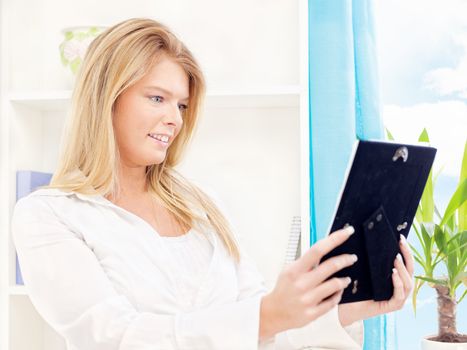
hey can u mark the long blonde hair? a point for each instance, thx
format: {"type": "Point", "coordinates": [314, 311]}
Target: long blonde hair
{"type": "Point", "coordinates": [89, 161]}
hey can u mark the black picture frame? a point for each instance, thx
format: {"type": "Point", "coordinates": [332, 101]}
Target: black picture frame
{"type": "Point", "coordinates": [383, 186]}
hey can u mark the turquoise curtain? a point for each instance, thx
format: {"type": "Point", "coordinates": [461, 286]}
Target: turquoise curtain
{"type": "Point", "coordinates": [344, 106]}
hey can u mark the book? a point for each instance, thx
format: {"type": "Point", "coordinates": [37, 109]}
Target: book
{"type": "Point", "coordinates": [26, 182]}
{"type": "Point", "coordinates": [293, 246]}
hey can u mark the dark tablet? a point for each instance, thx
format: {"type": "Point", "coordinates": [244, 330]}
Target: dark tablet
{"type": "Point", "coordinates": [383, 187]}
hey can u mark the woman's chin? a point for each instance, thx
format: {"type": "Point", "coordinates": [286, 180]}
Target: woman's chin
{"type": "Point", "coordinates": [156, 161]}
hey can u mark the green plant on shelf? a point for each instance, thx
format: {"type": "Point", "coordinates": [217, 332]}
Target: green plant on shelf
{"type": "Point", "coordinates": [443, 242]}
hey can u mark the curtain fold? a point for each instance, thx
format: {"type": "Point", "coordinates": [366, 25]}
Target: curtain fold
{"type": "Point", "coordinates": [344, 106]}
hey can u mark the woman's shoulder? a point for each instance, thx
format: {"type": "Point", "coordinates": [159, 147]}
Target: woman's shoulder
{"type": "Point", "coordinates": [50, 191]}
{"type": "Point", "coordinates": [44, 203]}
{"type": "Point", "coordinates": [36, 202]}
{"type": "Point", "coordinates": [39, 197]}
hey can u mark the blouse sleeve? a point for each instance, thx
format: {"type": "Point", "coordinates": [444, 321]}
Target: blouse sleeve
{"type": "Point", "coordinates": [70, 290]}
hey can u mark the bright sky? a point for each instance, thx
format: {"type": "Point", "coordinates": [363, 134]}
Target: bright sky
{"type": "Point", "coordinates": [423, 65]}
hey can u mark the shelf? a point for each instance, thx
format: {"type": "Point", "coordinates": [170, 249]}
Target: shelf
{"type": "Point", "coordinates": [42, 100]}
{"type": "Point", "coordinates": [280, 96]}
{"type": "Point", "coordinates": [18, 290]}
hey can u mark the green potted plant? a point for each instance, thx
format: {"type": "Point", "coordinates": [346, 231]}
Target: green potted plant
{"type": "Point", "coordinates": [442, 255]}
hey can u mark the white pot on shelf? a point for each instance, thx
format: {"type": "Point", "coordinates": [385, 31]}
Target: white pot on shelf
{"type": "Point", "coordinates": [436, 345]}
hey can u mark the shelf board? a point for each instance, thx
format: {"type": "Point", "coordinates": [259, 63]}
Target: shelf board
{"type": "Point", "coordinates": [18, 290]}
{"type": "Point", "coordinates": [42, 100]}
{"type": "Point", "coordinates": [261, 97]}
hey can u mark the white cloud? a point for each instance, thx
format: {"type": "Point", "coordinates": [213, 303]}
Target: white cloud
{"type": "Point", "coordinates": [424, 302]}
{"type": "Point", "coordinates": [451, 81]}
{"type": "Point", "coordinates": [423, 46]}
{"type": "Point", "coordinates": [419, 36]}
{"type": "Point", "coordinates": [446, 123]}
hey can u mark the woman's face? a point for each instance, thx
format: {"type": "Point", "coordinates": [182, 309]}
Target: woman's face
{"type": "Point", "coordinates": [149, 115]}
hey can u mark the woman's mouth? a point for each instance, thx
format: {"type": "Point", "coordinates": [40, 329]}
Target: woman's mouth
{"type": "Point", "coordinates": [160, 140]}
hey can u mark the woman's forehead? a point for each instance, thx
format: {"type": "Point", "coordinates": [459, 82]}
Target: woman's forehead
{"type": "Point", "coordinates": [167, 76]}
{"type": "Point", "coordinates": [167, 91]}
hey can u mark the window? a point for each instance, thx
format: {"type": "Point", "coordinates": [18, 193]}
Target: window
{"type": "Point", "coordinates": [422, 47]}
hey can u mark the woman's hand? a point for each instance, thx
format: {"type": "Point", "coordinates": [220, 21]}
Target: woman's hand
{"type": "Point", "coordinates": [302, 292]}
{"type": "Point", "coordinates": [402, 279]}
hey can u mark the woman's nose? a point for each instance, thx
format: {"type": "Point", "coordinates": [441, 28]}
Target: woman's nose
{"type": "Point", "coordinates": [174, 115]}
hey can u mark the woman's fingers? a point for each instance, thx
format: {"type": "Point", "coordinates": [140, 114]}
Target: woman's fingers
{"type": "Point", "coordinates": [326, 289]}
{"type": "Point", "coordinates": [325, 306]}
{"type": "Point", "coordinates": [408, 258]}
{"type": "Point", "coordinates": [403, 274]}
{"type": "Point", "coordinates": [330, 267]}
{"type": "Point", "coordinates": [405, 271]}
{"type": "Point", "coordinates": [398, 297]}
{"type": "Point", "coordinates": [312, 256]}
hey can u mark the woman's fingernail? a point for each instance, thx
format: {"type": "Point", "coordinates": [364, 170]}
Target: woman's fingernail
{"type": "Point", "coordinates": [349, 230]}
{"type": "Point", "coordinates": [403, 240]}
{"type": "Point", "coordinates": [394, 271]}
{"type": "Point", "coordinates": [354, 257]}
{"type": "Point", "coordinates": [399, 257]}
{"type": "Point", "coordinates": [348, 280]}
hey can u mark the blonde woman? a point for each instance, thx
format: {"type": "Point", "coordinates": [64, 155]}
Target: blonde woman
{"type": "Point", "coordinates": [122, 252]}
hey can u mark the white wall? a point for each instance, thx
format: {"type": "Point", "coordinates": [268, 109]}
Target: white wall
{"type": "Point", "coordinates": [249, 153]}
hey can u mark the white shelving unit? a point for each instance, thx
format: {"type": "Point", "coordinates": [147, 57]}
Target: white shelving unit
{"type": "Point", "coordinates": [254, 55]}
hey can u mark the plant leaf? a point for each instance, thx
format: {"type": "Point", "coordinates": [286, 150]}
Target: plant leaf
{"type": "Point", "coordinates": [415, 252]}
{"type": "Point", "coordinates": [460, 236]}
{"type": "Point", "coordinates": [420, 262]}
{"type": "Point", "coordinates": [438, 214]}
{"type": "Point", "coordinates": [389, 135]}
{"type": "Point", "coordinates": [437, 174]}
{"type": "Point", "coordinates": [440, 238]}
{"type": "Point", "coordinates": [427, 245]}
{"type": "Point", "coordinates": [418, 214]}
{"type": "Point", "coordinates": [427, 201]}
{"type": "Point", "coordinates": [417, 232]}
{"type": "Point", "coordinates": [452, 259]}
{"type": "Point", "coordinates": [462, 297]}
{"type": "Point", "coordinates": [457, 249]}
{"type": "Point", "coordinates": [464, 278]}
{"type": "Point", "coordinates": [424, 136]}
{"type": "Point", "coordinates": [451, 224]}
{"type": "Point", "coordinates": [418, 284]}
{"type": "Point", "coordinates": [462, 213]}
{"type": "Point", "coordinates": [432, 280]}
{"type": "Point", "coordinates": [457, 199]}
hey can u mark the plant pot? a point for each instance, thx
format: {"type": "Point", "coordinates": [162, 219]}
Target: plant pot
{"type": "Point", "coordinates": [436, 345]}
{"type": "Point", "coordinates": [74, 46]}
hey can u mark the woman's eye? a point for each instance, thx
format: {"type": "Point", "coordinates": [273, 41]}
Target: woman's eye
{"type": "Point", "coordinates": [156, 98]}
{"type": "Point", "coordinates": [183, 107]}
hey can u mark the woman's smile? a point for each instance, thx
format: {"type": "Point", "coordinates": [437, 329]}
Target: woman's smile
{"type": "Point", "coordinates": [162, 142]}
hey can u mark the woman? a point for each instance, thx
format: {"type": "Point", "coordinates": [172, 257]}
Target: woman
{"type": "Point", "coordinates": [122, 252]}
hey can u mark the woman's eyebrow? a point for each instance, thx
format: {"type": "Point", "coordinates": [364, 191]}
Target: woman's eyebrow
{"type": "Point", "coordinates": [153, 87]}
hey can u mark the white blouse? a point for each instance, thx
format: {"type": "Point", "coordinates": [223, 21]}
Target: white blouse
{"type": "Point", "coordinates": [105, 280]}
{"type": "Point", "coordinates": [191, 254]}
